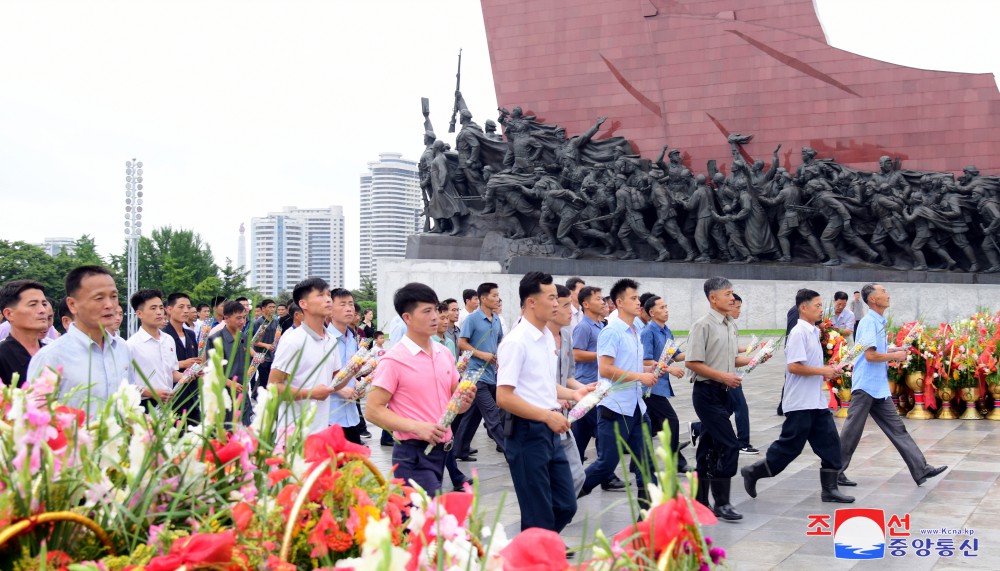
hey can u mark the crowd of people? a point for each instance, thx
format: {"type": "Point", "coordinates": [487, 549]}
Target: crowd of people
{"type": "Point", "coordinates": [567, 339]}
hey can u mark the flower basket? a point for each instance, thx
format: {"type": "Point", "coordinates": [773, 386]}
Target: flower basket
{"type": "Point", "coordinates": [286, 543]}
{"type": "Point", "coordinates": [21, 526]}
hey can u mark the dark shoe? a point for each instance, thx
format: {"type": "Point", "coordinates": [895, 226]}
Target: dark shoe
{"type": "Point", "coordinates": [752, 473]}
{"type": "Point", "coordinates": [828, 481]}
{"type": "Point", "coordinates": [683, 445]}
{"type": "Point", "coordinates": [366, 434]}
{"type": "Point", "coordinates": [384, 443]}
{"type": "Point", "coordinates": [473, 451]}
{"type": "Point", "coordinates": [460, 487]}
{"type": "Point", "coordinates": [843, 481]}
{"type": "Point", "coordinates": [584, 492]}
{"type": "Point", "coordinates": [749, 450]}
{"type": "Point", "coordinates": [614, 484]}
{"type": "Point", "coordinates": [469, 458]}
{"type": "Point", "coordinates": [726, 512]}
{"type": "Point", "coordinates": [500, 450]}
{"type": "Point", "coordinates": [933, 472]}
{"type": "Point", "coordinates": [692, 435]}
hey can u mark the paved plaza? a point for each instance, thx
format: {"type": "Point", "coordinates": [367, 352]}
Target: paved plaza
{"type": "Point", "coordinates": [772, 534]}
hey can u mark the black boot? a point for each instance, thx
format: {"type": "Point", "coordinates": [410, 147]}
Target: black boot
{"type": "Point", "coordinates": [702, 495]}
{"type": "Point", "coordinates": [828, 480]}
{"type": "Point", "coordinates": [723, 509]}
{"type": "Point", "coordinates": [752, 473]}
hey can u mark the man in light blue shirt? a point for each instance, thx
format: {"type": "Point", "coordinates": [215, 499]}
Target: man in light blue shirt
{"type": "Point", "coordinates": [481, 334]}
{"type": "Point", "coordinates": [870, 393]}
{"type": "Point", "coordinates": [343, 405]}
{"type": "Point", "coordinates": [655, 336]}
{"type": "Point", "coordinates": [619, 354]}
{"type": "Point", "coordinates": [93, 361]}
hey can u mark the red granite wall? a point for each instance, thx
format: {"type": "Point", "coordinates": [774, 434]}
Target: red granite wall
{"type": "Point", "coordinates": [689, 72]}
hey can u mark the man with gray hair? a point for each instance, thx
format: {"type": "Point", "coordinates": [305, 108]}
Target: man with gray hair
{"type": "Point", "coordinates": [870, 392]}
{"type": "Point", "coordinates": [712, 357]}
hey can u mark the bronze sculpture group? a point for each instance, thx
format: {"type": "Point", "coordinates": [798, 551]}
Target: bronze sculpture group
{"type": "Point", "coordinates": [596, 197]}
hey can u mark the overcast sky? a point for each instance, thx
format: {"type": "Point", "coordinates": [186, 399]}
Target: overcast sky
{"type": "Point", "coordinates": [240, 108]}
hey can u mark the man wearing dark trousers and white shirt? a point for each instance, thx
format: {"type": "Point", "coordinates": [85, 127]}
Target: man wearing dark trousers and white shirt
{"type": "Point", "coordinates": [619, 355]}
{"type": "Point", "coordinates": [527, 388]}
{"type": "Point", "coordinates": [712, 356]}
{"type": "Point", "coordinates": [870, 393]}
{"type": "Point", "coordinates": [807, 415]}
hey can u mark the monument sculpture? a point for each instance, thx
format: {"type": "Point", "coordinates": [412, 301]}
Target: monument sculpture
{"type": "Point", "coordinates": [592, 196]}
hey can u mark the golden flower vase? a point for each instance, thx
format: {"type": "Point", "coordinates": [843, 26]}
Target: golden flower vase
{"type": "Point", "coordinates": [970, 395]}
{"type": "Point", "coordinates": [915, 380]}
{"type": "Point", "coordinates": [945, 395]}
{"type": "Point", "coordinates": [845, 402]}
{"type": "Point", "coordinates": [995, 391]}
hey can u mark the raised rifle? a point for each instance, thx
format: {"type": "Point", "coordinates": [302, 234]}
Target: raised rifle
{"type": "Point", "coordinates": [458, 87]}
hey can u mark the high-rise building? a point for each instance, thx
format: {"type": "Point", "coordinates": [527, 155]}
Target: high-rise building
{"type": "Point", "coordinates": [296, 243]}
{"type": "Point", "coordinates": [53, 246]}
{"type": "Point", "coordinates": [390, 210]}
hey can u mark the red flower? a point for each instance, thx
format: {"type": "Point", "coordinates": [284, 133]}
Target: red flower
{"type": "Point", "coordinates": [242, 515]}
{"type": "Point", "coordinates": [329, 443]}
{"type": "Point", "coordinates": [286, 497]}
{"type": "Point", "coordinates": [57, 442]}
{"type": "Point", "coordinates": [666, 522]}
{"type": "Point", "coordinates": [81, 415]}
{"type": "Point", "coordinates": [58, 561]}
{"type": "Point", "coordinates": [278, 475]}
{"type": "Point", "coordinates": [198, 549]}
{"type": "Point", "coordinates": [223, 453]}
{"type": "Point", "coordinates": [275, 564]}
{"type": "Point", "coordinates": [535, 549]}
{"type": "Point", "coordinates": [327, 536]}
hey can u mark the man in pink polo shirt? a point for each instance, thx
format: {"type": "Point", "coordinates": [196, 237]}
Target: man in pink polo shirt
{"type": "Point", "coordinates": [412, 386]}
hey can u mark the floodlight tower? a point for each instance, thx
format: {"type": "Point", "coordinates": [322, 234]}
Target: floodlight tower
{"type": "Point", "coordinates": [133, 229]}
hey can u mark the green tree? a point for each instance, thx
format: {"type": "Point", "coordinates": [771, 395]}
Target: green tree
{"type": "Point", "coordinates": [234, 281]}
{"type": "Point", "coordinates": [367, 291]}
{"type": "Point", "coordinates": [20, 260]}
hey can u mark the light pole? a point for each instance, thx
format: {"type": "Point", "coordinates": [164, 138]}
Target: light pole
{"type": "Point", "coordinates": [133, 229]}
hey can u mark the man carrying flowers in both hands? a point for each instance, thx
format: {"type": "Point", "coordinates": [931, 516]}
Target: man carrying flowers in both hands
{"type": "Point", "coordinates": [804, 400]}
{"type": "Point", "coordinates": [712, 356]}
{"type": "Point", "coordinates": [528, 389]}
{"type": "Point", "coordinates": [655, 337]}
{"type": "Point", "coordinates": [411, 389]}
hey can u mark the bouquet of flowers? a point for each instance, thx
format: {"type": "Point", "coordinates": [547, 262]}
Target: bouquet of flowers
{"type": "Point", "coordinates": [465, 386]}
{"type": "Point", "coordinates": [670, 350]}
{"type": "Point", "coordinates": [848, 355]}
{"type": "Point", "coordinates": [752, 346]}
{"type": "Point", "coordinates": [364, 385]}
{"type": "Point", "coordinates": [369, 367]}
{"type": "Point", "coordinates": [463, 362]}
{"type": "Point", "coordinates": [191, 373]}
{"type": "Point", "coordinates": [206, 328]}
{"type": "Point", "coordinates": [353, 365]}
{"type": "Point", "coordinates": [764, 354]}
{"type": "Point", "coordinates": [592, 399]}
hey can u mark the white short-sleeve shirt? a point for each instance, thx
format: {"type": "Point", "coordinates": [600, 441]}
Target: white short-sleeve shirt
{"type": "Point", "coordinates": [804, 392]}
{"type": "Point", "coordinates": [156, 359]}
{"type": "Point", "coordinates": [307, 357]}
{"type": "Point", "coordinates": [527, 360]}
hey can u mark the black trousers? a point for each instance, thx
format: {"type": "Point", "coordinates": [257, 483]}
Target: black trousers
{"type": "Point", "coordinates": [814, 426]}
{"type": "Point", "coordinates": [352, 434]}
{"type": "Point", "coordinates": [585, 429]}
{"type": "Point", "coordinates": [484, 408]}
{"type": "Point", "coordinates": [718, 449]}
{"type": "Point", "coordinates": [541, 475]}
{"type": "Point", "coordinates": [661, 411]}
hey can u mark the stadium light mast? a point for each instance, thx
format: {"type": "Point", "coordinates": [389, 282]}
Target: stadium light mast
{"type": "Point", "coordinates": [133, 229]}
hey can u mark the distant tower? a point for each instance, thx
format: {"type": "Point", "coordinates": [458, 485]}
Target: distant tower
{"type": "Point", "coordinates": [241, 252]}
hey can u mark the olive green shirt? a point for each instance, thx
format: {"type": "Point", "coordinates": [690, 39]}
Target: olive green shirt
{"type": "Point", "coordinates": [713, 340]}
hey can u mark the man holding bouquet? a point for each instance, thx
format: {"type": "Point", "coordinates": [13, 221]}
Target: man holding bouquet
{"type": "Point", "coordinates": [412, 387]}
{"type": "Point", "coordinates": [528, 388]}
{"type": "Point", "coordinates": [870, 392]}
{"type": "Point", "coordinates": [807, 416]}
{"type": "Point", "coordinates": [712, 357]}
{"type": "Point", "coordinates": [655, 337]}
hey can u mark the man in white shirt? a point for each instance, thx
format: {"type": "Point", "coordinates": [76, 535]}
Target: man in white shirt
{"type": "Point", "coordinates": [528, 390]}
{"type": "Point", "coordinates": [574, 285]}
{"type": "Point", "coordinates": [471, 300]}
{"type": "Point", "coordinates": [154, 354]}
{"type": "Point", "coordinates": [807, 417]}
{"type": "Point", "coordinates": [302, 371]}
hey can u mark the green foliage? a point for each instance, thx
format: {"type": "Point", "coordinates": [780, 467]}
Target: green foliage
{"type": "Point", "coordinates": [174, 260]}
{"type": "Point", "coordinates": [234, 281]}
{"type": "Point", "coordinates": [367, 291]}
{"type": "Point", "coordinates": [20, 260]}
